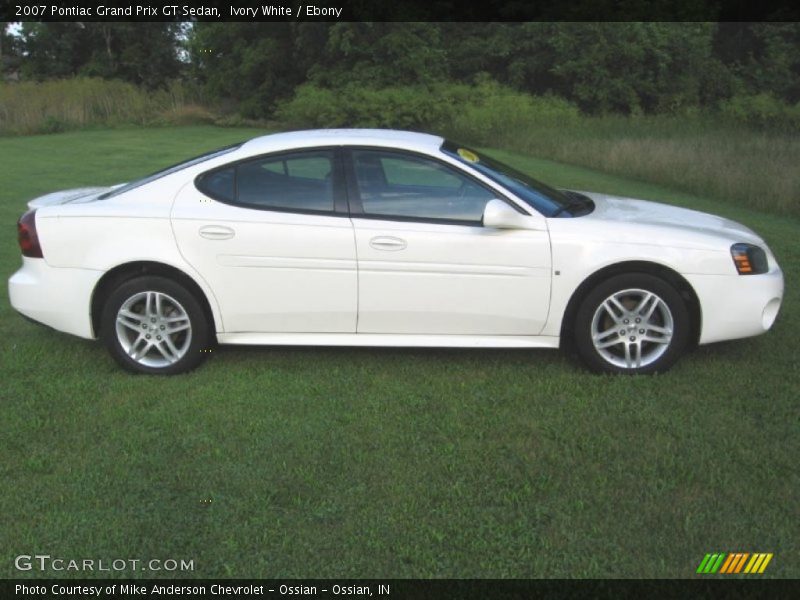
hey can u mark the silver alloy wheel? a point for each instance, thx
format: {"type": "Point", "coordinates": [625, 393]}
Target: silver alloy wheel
{"type": "Point", "coordinates": [154, 329]}
{"type": "Point", "coordinates": [632, 328]}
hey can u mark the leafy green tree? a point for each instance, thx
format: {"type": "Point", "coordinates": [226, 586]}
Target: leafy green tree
{"type": "Point", "coordinates": [380, 54]}
{"type": "Point", "coordinates": [605, 67]}
{"type": "Point", "coordinates": [9, 51]}
{"type": "Point", "coordinates": [251, 64]}
{"type": "Point", "coordinates": [624, 67]}
{"type": "Point", "coordinates": [141, 53]}
{"type": "Point", "coordinates": [479, 48]}
{"type": "Point", "coordinates": [763, 57]}
{"type": "Point", "coordinates": [53, 50]}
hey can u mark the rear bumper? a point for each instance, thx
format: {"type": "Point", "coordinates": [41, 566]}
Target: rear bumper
{"type": "Point", "coordinates": [737, 306]}
{"type": "Point", "coordinates": [58, 297]}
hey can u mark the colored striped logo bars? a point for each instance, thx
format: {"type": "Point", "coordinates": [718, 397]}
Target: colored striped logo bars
{"type": "Point", "coordinates": [734, 562]}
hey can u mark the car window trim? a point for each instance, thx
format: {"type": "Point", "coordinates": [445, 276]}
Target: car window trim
{"type": "Point", "coordinates": [340, 196]}
{"type": "Point", "coordinates": [354, 192]}
{"type": "Point", "coordinates": [170, 170]}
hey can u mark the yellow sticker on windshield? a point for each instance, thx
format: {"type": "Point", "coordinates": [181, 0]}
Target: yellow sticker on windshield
{"type": "Point", "coordinates": [468, 155]}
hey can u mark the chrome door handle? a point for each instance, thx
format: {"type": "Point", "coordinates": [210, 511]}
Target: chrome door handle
{"type": "Point", "coordinates": [216, 232]}
{"type": "Point", "coordinates": [386, 242]}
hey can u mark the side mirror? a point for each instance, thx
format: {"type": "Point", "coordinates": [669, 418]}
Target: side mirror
{"type": "Point", "coordinates": [500, 215]}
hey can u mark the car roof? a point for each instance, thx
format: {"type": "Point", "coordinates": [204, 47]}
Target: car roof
{"type": "Point", "coordinates": [392, 138]}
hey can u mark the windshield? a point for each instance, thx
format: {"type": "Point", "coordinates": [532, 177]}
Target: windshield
{"type": "Point", "coordinates": [548, 201]}
{"type": "Point", "coordinates": [169, 170]}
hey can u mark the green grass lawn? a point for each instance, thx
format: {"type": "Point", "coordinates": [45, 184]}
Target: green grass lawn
{"type": "Point", "coordinates": [331, 462]}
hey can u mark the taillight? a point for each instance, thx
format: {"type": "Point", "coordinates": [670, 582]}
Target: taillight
{"type": "Point", "coordinates": [26, 234]}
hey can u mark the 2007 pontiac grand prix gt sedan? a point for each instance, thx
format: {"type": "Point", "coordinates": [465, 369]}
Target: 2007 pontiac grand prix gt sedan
{"type": "Point", "coordinates": [383, 238]}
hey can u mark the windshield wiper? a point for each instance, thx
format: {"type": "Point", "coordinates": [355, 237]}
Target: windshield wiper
{"type": "Point", "coordinates": [570, 206]}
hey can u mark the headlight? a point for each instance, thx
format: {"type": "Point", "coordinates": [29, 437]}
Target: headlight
{"type": "Point", "coordinates": [749, 259]}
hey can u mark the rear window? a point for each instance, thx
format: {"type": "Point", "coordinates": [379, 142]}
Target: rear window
{"type": "Point", "coordinates": [294, 182]}
{"type": "Point", "coordinates": [169, 170]}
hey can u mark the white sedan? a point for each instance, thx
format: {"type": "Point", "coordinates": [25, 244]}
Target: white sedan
{"type": "Point", "coordinates": [383, 238]}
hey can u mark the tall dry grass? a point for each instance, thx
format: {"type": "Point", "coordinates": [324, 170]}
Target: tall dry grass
{"type": "Point", "coordinates": [707, 154]}
{"type": "Point", "coordinates": [58, 105]}
{"type": "Point", "coordinates": [701, 155]}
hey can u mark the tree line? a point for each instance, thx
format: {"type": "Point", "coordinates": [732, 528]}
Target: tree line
{"type": "Point", "coordinates": [600, 67]}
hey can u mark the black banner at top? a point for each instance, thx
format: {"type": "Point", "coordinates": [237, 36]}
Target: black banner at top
{"type": "Point", "coordinates": [399, 10]}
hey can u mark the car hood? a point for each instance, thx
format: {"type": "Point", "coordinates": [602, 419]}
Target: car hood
{"type": "Point", "coordinates": [77, 195]}
{"type": "Point", "coordinates": [646, 214]}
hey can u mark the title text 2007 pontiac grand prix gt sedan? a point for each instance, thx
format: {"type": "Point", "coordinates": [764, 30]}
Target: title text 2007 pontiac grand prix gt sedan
{"type": "Point", "coordinates": [383, 238]}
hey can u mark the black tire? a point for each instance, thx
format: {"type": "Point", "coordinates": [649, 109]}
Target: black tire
{"type": "Point", "coordinates": [616, 327]}
{"type": "Point", "coordinates": [157, 305]}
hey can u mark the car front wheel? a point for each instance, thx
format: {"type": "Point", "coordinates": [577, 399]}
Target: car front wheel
{"type": "Point", "coordinates": [632, 323]}
{"type": "Point", "coordinates": [153, 325]}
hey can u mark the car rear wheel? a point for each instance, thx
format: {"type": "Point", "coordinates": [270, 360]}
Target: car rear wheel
{"type": "Point", "coordinates": [153, 325]}
{"type": "Point", "coordinates": [632, 323]}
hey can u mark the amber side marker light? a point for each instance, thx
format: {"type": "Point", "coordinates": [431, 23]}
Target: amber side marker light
{"type": "Point", "coordinates": [749, 259]}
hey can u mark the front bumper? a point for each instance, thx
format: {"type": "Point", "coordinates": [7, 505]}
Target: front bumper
{"type": "Point", "coordinates": [737, 306]}
{"type": "Point", "coordinates": [58, 297]}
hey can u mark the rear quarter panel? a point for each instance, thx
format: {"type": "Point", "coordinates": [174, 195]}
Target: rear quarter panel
{"type": "Point", "coordinates": [109, 233]}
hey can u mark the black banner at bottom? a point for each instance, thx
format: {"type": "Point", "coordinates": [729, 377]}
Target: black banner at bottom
{"type": "Point", "coordinates": [399, 589]}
